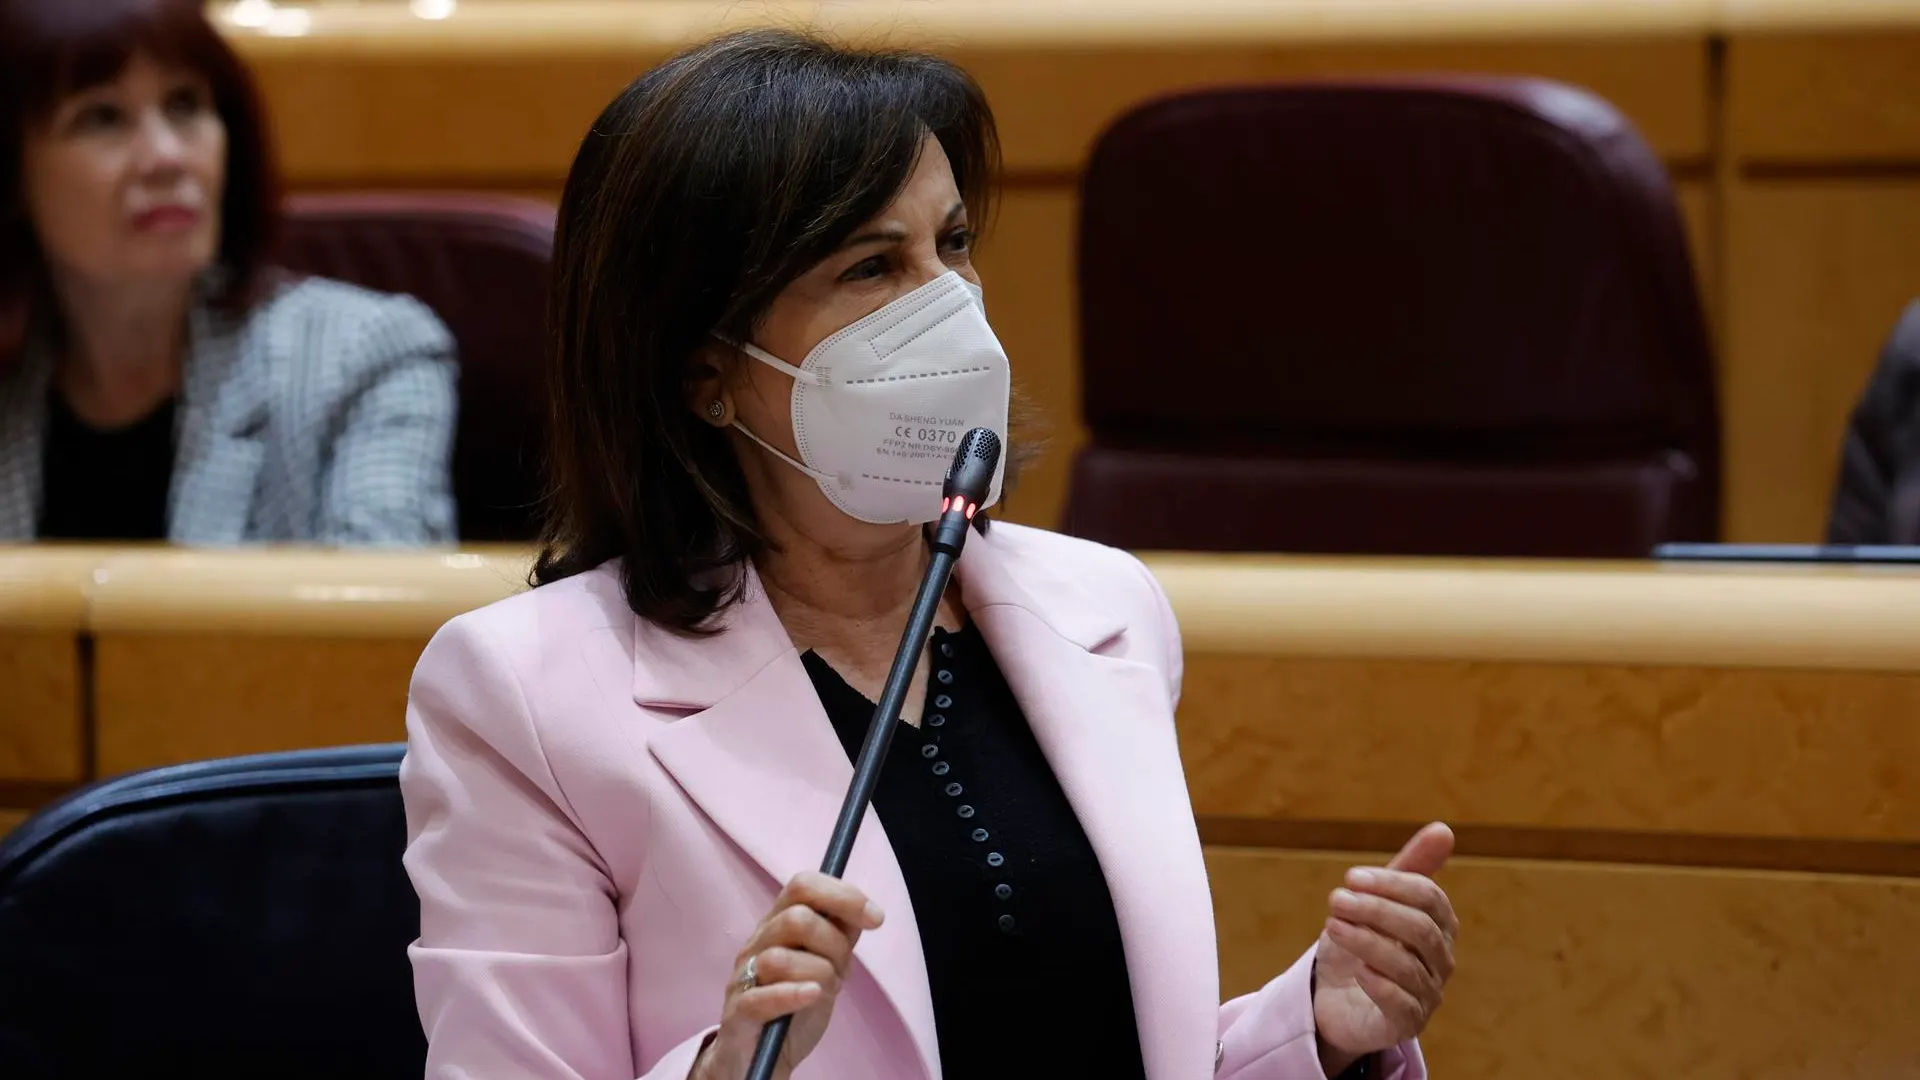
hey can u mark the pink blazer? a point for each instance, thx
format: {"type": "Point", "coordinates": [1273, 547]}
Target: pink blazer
{"type": "Point", "coordinates": [599, 812]}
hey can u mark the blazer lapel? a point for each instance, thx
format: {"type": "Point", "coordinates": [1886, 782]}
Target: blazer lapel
{"type": "Point", "coordinates": [762, 761]}
{"type": "Point", "coordinates": [1106, 726]}
{"type": "Point", "coordinates": [23, 413]}
{"type": "Point", "coordinates": [223, 418]}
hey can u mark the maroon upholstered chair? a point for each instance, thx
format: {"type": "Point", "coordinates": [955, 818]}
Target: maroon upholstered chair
{"type": "Point", "coordinates": [1450, 316]}
{"type": "Point", "coordinates": [481, 263]}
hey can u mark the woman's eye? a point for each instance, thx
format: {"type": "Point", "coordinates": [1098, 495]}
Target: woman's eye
{"type": "Point", "coordinates": [958, 240]}
{"type": "Point", "coordinates": [870, 267]}
{"type": "Point", "coordinates": [96, 116]}
{"type": "Point", "coordinates": [186, 102]}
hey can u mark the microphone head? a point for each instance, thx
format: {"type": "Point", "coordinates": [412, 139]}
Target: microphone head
{"type": "Point", "coordinates": [974, 463]}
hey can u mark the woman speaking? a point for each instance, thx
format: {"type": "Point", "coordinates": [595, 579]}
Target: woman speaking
{"type": "Point", "coordinates": [767, 335]}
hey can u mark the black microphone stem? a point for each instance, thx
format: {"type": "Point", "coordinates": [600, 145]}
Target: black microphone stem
{"type": "Point", "coordinates": [866, 769]}
{"type": "Point", "coordinates": [968, 482]}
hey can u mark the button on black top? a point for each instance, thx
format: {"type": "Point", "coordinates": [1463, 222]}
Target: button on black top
{"type": "Point", "coordinates": [1022, 948]}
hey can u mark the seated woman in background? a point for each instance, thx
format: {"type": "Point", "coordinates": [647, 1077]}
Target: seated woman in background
{"type": "Point", "coordinates": [157, 379]}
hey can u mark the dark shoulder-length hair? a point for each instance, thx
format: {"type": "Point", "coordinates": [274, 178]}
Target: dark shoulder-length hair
{"type": "Point", "coordinates": [706, 187]}
{"type": "Point", "coordinates": [50, 49]}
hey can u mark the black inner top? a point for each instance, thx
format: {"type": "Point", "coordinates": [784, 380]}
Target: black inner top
{"type": "Point", "coordinates": [105, 485]}
{"type": "Point", "coordinates": [1022, 948]}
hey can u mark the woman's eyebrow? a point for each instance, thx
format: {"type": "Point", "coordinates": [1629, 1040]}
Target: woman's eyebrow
{"type": "Point", "coordinates": [891, 234]}
{"type": "Point", "coordinates": [894, 234]}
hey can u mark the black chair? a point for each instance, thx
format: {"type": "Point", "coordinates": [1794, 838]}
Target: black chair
{"type": "Point", "coordinates": [245, 917]}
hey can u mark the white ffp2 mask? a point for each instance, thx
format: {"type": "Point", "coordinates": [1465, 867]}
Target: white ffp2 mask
{"type": "Point", "coordinates": [881, 405]}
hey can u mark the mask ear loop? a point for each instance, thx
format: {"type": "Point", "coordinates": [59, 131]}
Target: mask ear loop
{"type": "Point", "coordinates": [823, 478]}
{"type": "Point", "coordinates": [812, 378]}
{"type": "Point", "coordinates": [799, 375]}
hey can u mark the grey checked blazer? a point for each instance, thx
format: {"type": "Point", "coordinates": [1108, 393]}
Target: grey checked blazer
{"type": "Point", "coordinates": [325, 415]}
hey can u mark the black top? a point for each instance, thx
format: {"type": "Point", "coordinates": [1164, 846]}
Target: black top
{"type": "Point", "coordinates": [1022, 948]}
{"type": "Point", "coordinates": [105, 485]}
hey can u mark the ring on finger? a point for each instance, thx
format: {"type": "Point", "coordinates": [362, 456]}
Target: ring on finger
{"type": "Point", "coordinates": [750, 975]}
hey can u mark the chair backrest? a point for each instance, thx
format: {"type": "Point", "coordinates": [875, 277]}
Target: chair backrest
{"type": "Point", "coordinates": [1421, 316]}
{"type": "Point", "coordinates": [238, 918]}
{"type": "Point", "coordinates": [482, 263]}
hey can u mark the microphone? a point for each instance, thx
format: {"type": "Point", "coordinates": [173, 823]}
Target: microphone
{"type": "Point", "coordinates": [969, 479]}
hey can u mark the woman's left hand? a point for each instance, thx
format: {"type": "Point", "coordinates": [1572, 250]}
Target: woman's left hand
{"type": "Point", "coordinates": [1386, 955]}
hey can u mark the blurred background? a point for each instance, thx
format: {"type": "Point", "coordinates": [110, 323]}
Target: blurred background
{"type": "Point", "coordinates": [1788, 133]}
{"type": "Point", "coordinates": [1416, 325]}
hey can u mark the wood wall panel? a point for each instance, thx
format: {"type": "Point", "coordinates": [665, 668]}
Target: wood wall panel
{"type": "Point", "coordinates": [1817, 272]}
{"type": "Point", "coordinates": [518, 117]}
{"type": "Point", "coordinates": [1699, 210]}
{"type": "Point", "coordinates": [1557, 746]}
{"type": "Point", "coordinates": [166, 698]}
{"type": "Point", "coordinates": [1027, 268]}
{"type": "Point", "coordinates": [10, 820]}
{"type": "Point", "coordinates": [1591, 972]}
{"type": "Point", "coordinates": [1830, 98]}
{"type": "Point", "coordinates": [377, 119]}
{"type": "Point", "coordinates": [40, 706]}
{"type": "Point", "coordinates": [1052, 104]}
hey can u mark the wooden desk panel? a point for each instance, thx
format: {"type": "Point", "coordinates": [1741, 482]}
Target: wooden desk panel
{"type": "Point", "coordinates": [1718, 701]}
{"type": "Point", "coordinates": [203, 654]}
{"type": "Point", "coordinates": [1623, 745]}
{"type": "Point", "coordinates": [167, 698]}
{"type": "Point", "coordinates": [1831, 617]}
{"type": "Point", "coordinates": [40, 707]}
{"type": "Point", "coordinates": [299, 593]}
{"type": "Point", "coordinates": [1702, 753]}
{"type": "Point", "coordinates": [43, 602]}
{"type": "Point", "coordinates": [1823, 617]}
{"type": "Point", "coordinates": [1590, 972]}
